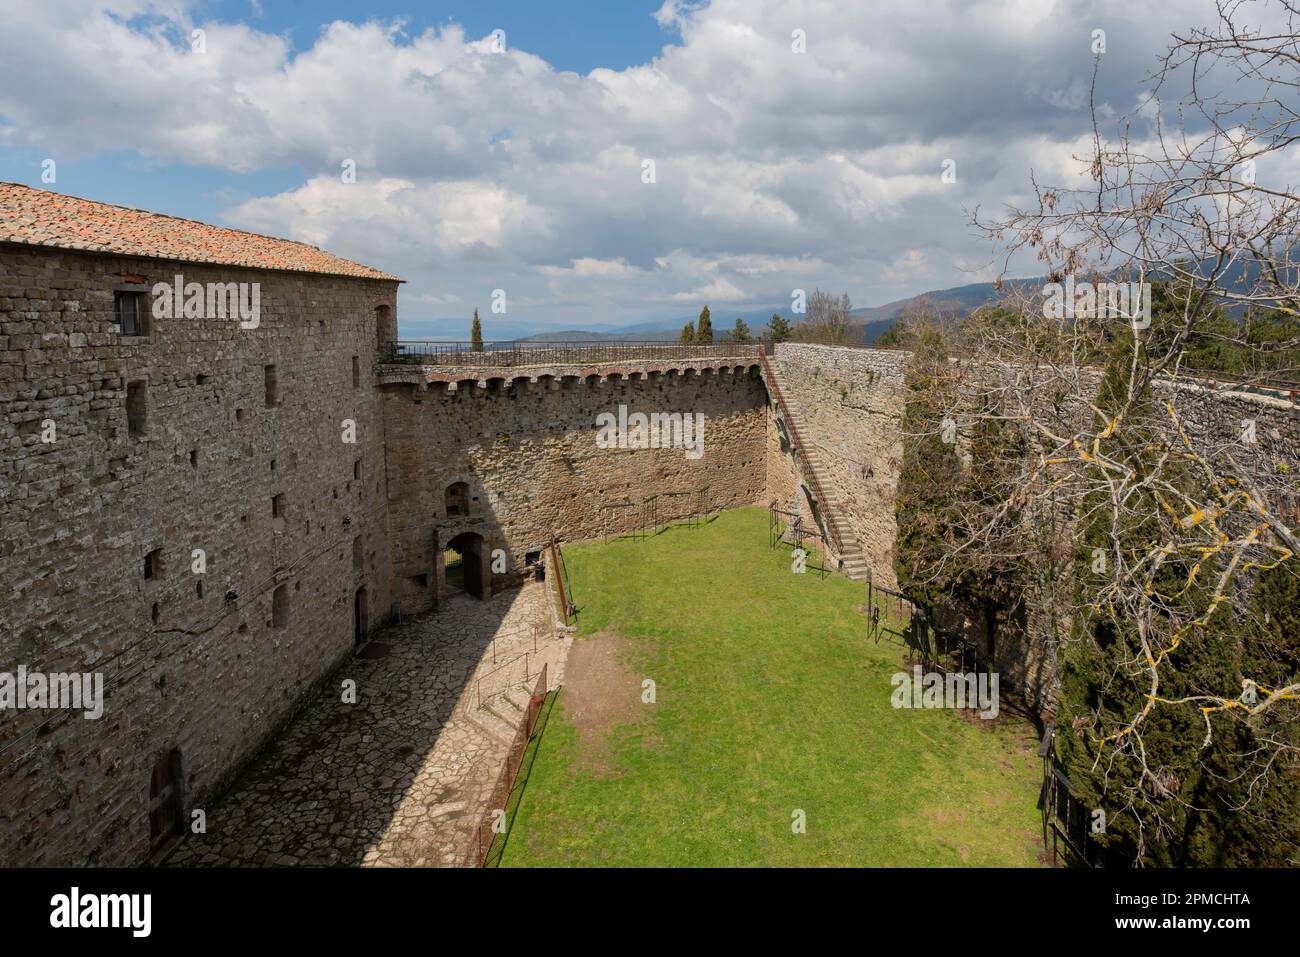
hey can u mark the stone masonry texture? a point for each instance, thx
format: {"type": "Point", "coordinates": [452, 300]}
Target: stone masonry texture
{"type": "Point", "coordinates": [849, 404]}
{"type": "Point", "coordinates": [322, 485]}
{"type": "Point", "coordinates": [190, 661]}
{"type": "Point", "coordinates": [528, 453]}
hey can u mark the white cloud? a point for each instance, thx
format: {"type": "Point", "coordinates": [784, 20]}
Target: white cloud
{"type": "Point", "coordinates": [479, 170]}
{"type": "Point", "coordinates": [720, 290]}
{"type": "Point", "coordinates": [588, 267]}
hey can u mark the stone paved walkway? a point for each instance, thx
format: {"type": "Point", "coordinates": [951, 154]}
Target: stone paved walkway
{"type": "Point", "coordinates": [401, 777]}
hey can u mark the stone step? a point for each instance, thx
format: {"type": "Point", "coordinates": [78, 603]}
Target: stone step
{"type": "Point", "coordinates": [492, 724]}
{"type": "Point", "coordinates": [502, 712]}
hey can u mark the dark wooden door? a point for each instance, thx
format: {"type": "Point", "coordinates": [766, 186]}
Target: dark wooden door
{"type": "Point", "coordinates": [165, 817]}
{"type": "Point", "coordinates": [359, 617]}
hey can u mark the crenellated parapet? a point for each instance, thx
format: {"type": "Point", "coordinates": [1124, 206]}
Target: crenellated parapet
{"type": "Point", "coordinates": [487, 378]}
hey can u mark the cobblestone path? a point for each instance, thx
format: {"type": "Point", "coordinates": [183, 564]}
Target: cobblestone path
{"type": "Point", "coordinates": [401, 777]}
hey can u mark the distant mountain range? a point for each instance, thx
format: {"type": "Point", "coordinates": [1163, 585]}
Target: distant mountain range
{"type": "Point", "coordinates": [876, 320]}
{"type": "Point", "coordinates": [872, 320]}
{"type": "Point", "coordinates": [656, 330]}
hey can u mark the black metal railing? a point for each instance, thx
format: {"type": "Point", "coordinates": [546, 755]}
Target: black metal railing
{"type": "Point", "coordinates": [1068, 823]}
{"type": "Point", "coordinates": [542, 352]}
{"type": "Point", "coordinates": [786, 527]}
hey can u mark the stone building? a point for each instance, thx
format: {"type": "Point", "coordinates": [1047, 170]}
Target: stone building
{"type": "Point", "coordinates": [184, 509]}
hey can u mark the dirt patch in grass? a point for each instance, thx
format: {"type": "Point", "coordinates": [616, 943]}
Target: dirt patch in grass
{"type": "Point", "coordinates": [602, 691]}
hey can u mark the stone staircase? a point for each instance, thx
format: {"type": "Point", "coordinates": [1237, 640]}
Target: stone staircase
{"type": "Point", "coordinates": [505, 694]}
{"type": "Point", "coordinates": [853, 562]}
{"type": "Point", "coordinates": [490, 719]}
{"type": "Point", "coordinates": [852, 559]}
{"type": "Point", "coordinates": [496, 699]}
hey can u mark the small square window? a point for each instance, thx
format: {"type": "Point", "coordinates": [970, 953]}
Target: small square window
{"type": "Point", "coordinates": [153, 565]}
{"type": "Point", "coordinates": [130, 312]}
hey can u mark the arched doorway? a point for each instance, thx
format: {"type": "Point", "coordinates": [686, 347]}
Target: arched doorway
{"type": "Point", "coordinates": [463, 564]}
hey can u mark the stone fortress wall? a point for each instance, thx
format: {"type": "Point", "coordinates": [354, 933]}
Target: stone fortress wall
{"type": "Point", "coordinates": [239, 453]}
{"type": "Point", "coordinates": [238, 449]}
{"type": "Point", "coordinates": [849, 403]}
{"type": "Point", "coordinates": [524, 444]}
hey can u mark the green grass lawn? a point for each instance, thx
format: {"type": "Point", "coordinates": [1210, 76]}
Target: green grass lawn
{"type": "Point", "coordinates": [769, 699]}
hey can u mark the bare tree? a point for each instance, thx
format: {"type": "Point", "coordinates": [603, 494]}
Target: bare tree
{"type": "Point", "coordinates": [827, 319]}
{"type": "Point", "coordinates": [1148, 516]}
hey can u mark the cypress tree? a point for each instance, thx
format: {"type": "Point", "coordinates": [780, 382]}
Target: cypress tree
{"type": "Point", "coordinates": [704, 329]}
{"type": "Point", "coordinates": [939, 501]}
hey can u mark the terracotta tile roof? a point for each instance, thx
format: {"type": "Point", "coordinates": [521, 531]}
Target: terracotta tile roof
{"type": "Point", "coordinates": [36, 217]}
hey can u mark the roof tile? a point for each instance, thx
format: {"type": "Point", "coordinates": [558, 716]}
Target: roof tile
{"type": "Point", "coordinates": [37, 217]}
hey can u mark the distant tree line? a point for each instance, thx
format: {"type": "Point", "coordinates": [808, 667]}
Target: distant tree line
{"type": "Point", "coordinates": [826, 319]}
{"type": "Point", "coordinates": [1262, 342]}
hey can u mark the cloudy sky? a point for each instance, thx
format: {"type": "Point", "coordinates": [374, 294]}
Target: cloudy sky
{"type": "Point", "coordinates": [518, 160]}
